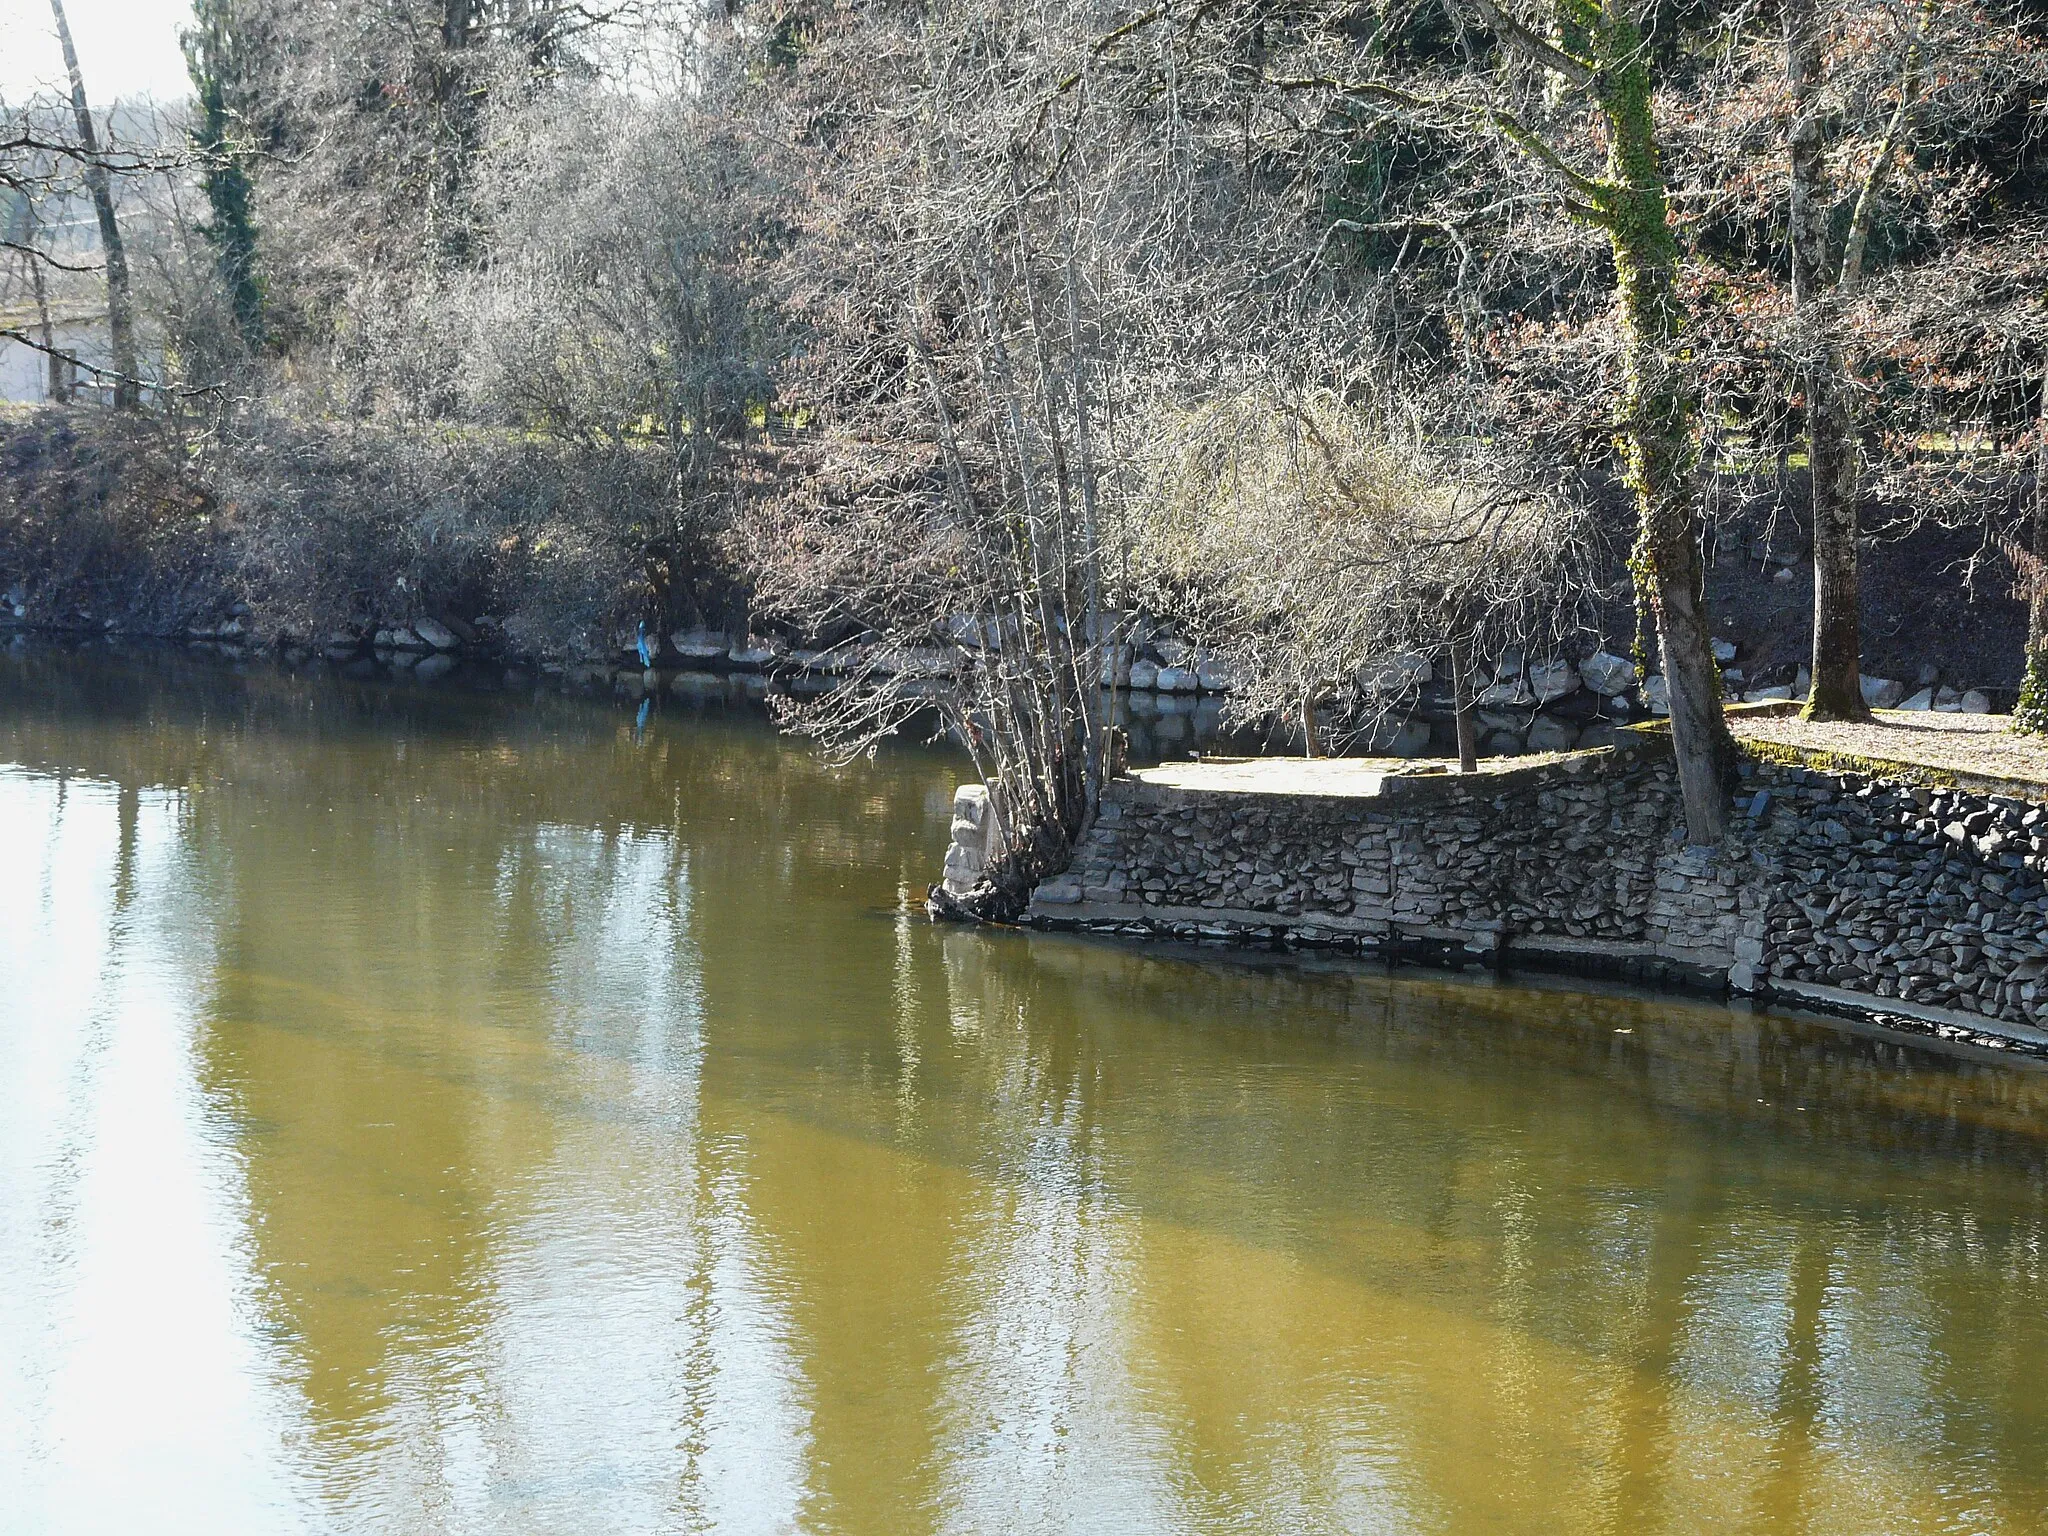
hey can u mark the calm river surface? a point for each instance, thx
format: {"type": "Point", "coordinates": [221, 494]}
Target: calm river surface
{"type": "Point", "coordinates": [448, 1112]}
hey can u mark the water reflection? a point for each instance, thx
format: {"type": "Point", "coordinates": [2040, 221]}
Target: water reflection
{"type": "Point", "coordinates": [438, 1113]}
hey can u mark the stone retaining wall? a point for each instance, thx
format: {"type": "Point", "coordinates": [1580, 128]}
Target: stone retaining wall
{"type": "Point", "coordinates": [1833, 889]}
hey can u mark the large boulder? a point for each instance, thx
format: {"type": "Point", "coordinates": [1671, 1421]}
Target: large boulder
{"type": "Point", "coordinates": [1724, 650]}
{"type": "Point", "coordinates": [1215, 674]}
{"type": "Point", "coordinates": [1501, 744]}
{"type": "Point", "coordinates": [1548, 734]}
{"type": "Point", "coordinates": [1398, 738]}
{"type": "Point", "coordinates": [1924, 699]}
{"type": "Point", "coordinates": [436, 634]}
{"type": "Point", "coordinates": [925, 661]}
{"type": "Point", "coordinates": [1975, 703]}
{"type": "Point", "coordinates": [1396, 674]}
{"type": "Point", "coordinates": [1601, 733]}
{"type": "Point", "coordinates": [1144, 675]}
{"type": "Point", "coordinates": [1553, 680]}
{"type": "Point", "coordinates": [1178, 680]}
{"type": "Point", "coordinates": [754, 652]}
{"type": "Point", "coordinates": [1657, 694]}
{"type": "Point", "coordinates": [1882, 692]}
{"type": "Point", "coordinates": [1607, 674]}
{"type": "Point", "coordinates": [701, 644]}
{"type": "Point", "coordinates": [1508, 692]}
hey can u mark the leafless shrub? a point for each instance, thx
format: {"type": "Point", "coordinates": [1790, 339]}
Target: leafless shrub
{"type": "Point", "coordinates": [341, 527]}
{"type": "Point", "coordinates": [1312, 546]}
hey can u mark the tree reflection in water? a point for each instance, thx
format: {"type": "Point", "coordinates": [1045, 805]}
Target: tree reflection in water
{"type": "Point", "coordinates": [440, 1111]}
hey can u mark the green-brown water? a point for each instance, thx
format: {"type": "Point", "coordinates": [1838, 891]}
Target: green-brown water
{"type": "Point", "coordinates": [452, 1113]}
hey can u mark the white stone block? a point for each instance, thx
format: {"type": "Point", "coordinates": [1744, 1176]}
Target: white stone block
{"type": "Point", "coordinates": [1553, 680]}
{"type": "Point", "coordinates": [1608, 674]}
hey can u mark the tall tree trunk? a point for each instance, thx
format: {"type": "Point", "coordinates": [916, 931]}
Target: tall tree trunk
{"type": "Point", "coordinates": [59, 385]}
{"type": "Point", "coordinates": [1462, 706]}
{"type": "Point", "coordinates": [1656, 430]}
{"type": "Point", "coordinates": [1837, 661]}
{"type": "Point", "coordinates": [1830, 423]}
{"type": "Point", "coordinates": [120, 310]}
{"type": "Point", "coordinates": [2032, 713]}
{"type": "Point", "coordinates": [2037, 611]}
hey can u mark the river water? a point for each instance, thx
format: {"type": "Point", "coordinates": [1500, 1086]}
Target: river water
{"type": "Point", "coordinates": [448, 1111]}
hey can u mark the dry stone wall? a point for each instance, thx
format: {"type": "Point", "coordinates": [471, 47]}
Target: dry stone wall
{"type": "Point", "coordinates": [1832, 887]}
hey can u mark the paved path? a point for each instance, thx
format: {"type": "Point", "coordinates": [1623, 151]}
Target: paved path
{"type": "Point", "coordinates": [1348, 776]}
{"type": "Point", "coordinates": [1969, 744]}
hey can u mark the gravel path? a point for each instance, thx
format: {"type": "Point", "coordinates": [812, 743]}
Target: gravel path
{"type": "Point", "coordinates": [1981, 744]}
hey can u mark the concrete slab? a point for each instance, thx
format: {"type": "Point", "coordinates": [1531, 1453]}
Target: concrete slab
{"type": "Point", "coordinates": [1356, 777]}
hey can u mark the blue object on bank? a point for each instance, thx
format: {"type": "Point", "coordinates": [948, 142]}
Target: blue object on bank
{"type": "Point", "coordinates": [646, 650]}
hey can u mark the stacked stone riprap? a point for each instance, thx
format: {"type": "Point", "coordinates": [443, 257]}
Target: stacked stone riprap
{"type": "Point", "coordinates": [1904, 891]}
{"type": "Point", "coordinates": [1578, 850]}
{"type": "Point", "coordinates": [1884, 889]}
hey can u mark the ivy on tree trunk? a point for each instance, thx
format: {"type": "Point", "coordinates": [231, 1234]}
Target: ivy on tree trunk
{"type": "Point", "coordinates": [1656, 430]}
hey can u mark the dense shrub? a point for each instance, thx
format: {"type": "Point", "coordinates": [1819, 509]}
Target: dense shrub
{"type": "Point", "coordinates": [318, 528]}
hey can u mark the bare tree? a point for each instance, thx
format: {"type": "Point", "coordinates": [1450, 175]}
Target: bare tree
{"type": "Point", "coordinates": [120, 294]}
{"type": "Point", "coordinates": [1330, 560]}
{"type": "Point", "coordinates": [1867, 301]}
{"type": "Point", "coordinates": [953, 515]}
{"type": "Point", "coordinates": [1600, 91]}
{"type": "Point", "coordinates": [2031, 561]}
{"type": "Point", "coordinates": [23, 240]}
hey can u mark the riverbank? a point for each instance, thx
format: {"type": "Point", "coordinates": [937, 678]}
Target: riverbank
{"type": "Point", "coordinates": [397, 545]}
{"type": "Point", "coordinates": [288, 535]}
{"type": "Point", "coordinates": [1900, 897]}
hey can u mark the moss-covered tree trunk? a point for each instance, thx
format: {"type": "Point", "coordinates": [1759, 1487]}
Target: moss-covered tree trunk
{"type": "Point", "coordinates": [1837, 661]}
{"type": "Point", "coordinates": [1657, 421]}
{"type": "Point", "coordinates": [2032, 713]}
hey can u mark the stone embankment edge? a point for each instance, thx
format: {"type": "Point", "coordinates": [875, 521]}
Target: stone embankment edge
{"type": "Point", "coordinates": [1704, 967]}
